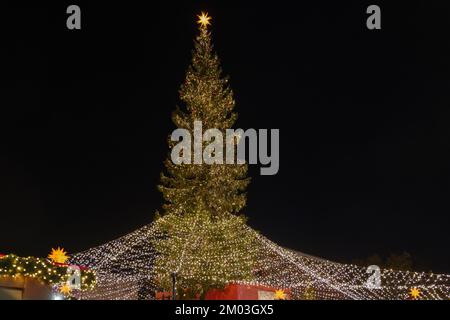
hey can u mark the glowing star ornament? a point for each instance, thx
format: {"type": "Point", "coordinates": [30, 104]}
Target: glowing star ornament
{"type": "Point", "coordinates": [203, 20]}
{"type": "Point", "coordinates": [65, 289]}
{"type": "Point", "coordinates": [415, 293]}
{"type": "Point", "coordinates": [279, 295]}
{"type": "Point", "coordinates": [58, 255]}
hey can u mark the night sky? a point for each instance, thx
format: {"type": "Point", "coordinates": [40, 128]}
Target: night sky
{"type": "Point", "coordinates": [364, 119]}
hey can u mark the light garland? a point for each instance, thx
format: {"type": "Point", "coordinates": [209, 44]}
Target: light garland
{"type": "Point", "coordinates": [43, 270]}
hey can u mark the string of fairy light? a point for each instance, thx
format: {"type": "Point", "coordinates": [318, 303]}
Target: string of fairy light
{"type": "Point", "coordinates": [124, 270]}
{"type": "Point", "coordinates": [52, 271]}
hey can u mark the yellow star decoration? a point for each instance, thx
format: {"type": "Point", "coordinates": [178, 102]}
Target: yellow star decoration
{"type": "Point", "coordinates": [279, 295]}
{"type": "Point", "coordinates": [65, 289]}
{"type": "Point", "coordinates": [415, 293]}
{"type": "Point", "coordinates": [58, 255]}
{"type": "Point", "coordinates": [203, 20]}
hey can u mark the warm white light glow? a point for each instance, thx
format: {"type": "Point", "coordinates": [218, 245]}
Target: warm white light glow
{"type": "Point", "coordinates": [124, 267]}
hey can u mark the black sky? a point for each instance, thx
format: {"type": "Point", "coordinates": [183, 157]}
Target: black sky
{"type": "Point", "coordinates": [364, 119]}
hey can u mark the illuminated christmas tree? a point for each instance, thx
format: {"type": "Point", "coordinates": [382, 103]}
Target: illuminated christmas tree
{"type": "Point", "coordinates": [202, 237]}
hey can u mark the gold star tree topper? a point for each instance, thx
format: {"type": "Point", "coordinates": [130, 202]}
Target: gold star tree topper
{"type": "Point", "coordinates": [415, 293]}
{"type": "Point", "coordinates": [58, 255]}
{"type": "Point", "coordinates": [204, 20]}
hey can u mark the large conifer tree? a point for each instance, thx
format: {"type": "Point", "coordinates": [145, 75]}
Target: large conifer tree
{"type": "Point", "coordinates": [204, 238]}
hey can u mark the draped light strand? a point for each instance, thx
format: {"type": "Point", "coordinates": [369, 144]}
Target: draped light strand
{"type": "Point", "coordinates": [124, 269]}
